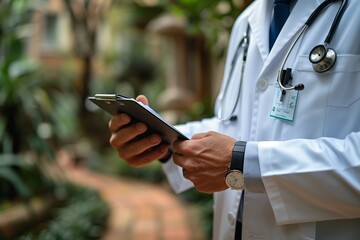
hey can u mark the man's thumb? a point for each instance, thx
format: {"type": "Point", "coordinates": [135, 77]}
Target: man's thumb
{"type": "Point", "coordinates": [143, 99]}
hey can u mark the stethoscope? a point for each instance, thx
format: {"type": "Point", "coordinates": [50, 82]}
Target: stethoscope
{"type": "Point", "coordinates": [244, 43]}
{"type": "Point", "coordinates": [321, 56]}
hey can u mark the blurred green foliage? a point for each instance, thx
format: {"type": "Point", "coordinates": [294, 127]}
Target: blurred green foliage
{"type": "Point", "coordinates": [209, 19]}
{"type": "Point", "coordinates": [84, 216]}
{"type": "Point", "coordinates": [23, 108]}
{"type": "Point", "coordinates": [40, 106]}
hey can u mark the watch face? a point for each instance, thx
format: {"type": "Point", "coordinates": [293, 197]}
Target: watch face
{"type": "Point", "coordinates": [235, 180]}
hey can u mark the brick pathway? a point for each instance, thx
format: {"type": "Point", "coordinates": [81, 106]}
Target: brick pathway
{"type": "Point", "coordinates": [140, 211]}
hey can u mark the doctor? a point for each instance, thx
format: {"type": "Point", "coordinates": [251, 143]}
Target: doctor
{"type": "Point", "coordinates": [296, 153]}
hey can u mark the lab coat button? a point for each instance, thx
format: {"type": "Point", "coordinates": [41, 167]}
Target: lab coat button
{"type": "Point", "coordinates": [231, 218]}
{"type": "Point", "coordinates": [263, 84]}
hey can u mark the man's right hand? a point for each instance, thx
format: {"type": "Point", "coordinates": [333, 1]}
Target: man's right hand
{"type": "Point", "coordinates": [136, 151]}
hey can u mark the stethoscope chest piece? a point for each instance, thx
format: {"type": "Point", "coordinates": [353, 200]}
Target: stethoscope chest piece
{"type": "Point", "coordinates": [322, 58]}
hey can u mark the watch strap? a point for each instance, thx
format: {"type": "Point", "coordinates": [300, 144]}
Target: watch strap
{"type": "Point", "coordinates": [237, 157]}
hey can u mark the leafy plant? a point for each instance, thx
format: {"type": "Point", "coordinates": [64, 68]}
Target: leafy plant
{"type": "Point", "coordinates": [24, 108]}
{"type": "Point", "coordinates": [83, 217]}
{"type": "Point", "coordinates": [7, 173]}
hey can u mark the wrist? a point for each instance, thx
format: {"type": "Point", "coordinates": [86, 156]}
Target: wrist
{"type": "Point", "coordinates": [234, 177]}
{"type": "Point", "coordinates": [167, 157]}
{"type": "Point", "coordinates": [238, 155]}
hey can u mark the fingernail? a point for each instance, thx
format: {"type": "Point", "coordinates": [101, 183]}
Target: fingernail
{"type": "Point", "coordinates": [141, 127]}
{"type": "Point", "coordinates": [155, 139]}
{"type": "Point", "coordinates": [124, 118]}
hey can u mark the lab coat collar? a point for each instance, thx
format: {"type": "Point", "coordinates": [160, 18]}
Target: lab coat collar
{"type": "Point", "coordinates": [260, 20]}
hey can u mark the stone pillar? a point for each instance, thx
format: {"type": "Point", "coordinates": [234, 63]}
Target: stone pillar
{"type": "Point", "coordinates": [185, 75]}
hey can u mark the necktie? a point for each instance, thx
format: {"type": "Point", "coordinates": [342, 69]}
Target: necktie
{"type": "Point", "coordinates": [281, 13]}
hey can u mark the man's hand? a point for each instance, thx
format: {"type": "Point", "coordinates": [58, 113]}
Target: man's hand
{"type": "Point", "coordinates": [125, 139]}
{"type": "Point", "coordinates": [205, 160]}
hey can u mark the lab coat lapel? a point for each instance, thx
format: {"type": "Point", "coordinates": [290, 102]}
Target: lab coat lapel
{"type": "Point", "coordinates": [260, 21]}
{"type": "Point", "coordinates": [259, 24]}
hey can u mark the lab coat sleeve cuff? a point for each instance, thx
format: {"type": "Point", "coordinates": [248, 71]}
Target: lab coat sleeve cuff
{"type": "Point", "coordinates": [252, 173]}
{"type": "Point", "coordinates": [175, 177]}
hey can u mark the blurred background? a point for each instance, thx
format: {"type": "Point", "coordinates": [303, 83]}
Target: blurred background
{"type": "Point", "coordinates": [56, 53]}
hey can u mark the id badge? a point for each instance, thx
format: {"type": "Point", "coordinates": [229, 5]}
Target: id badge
{"type": "Point", "coordinates": [284, 106]}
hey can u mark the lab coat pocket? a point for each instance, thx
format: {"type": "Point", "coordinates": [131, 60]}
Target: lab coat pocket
{"type": "Point", "coordinates": [333, 96]}
{"type": "Point", "coordinates": [342, 112]}
{"type": "Point", "coordinates": [342, 81]}
{"type": "Point", "coordinates": [345, 81]}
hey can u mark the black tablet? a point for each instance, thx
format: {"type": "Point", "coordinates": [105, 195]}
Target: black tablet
{"type": "Point", "coordinates": [116, 103]}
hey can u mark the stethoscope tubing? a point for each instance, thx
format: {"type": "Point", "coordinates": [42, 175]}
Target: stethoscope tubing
{"type": "Point", "coordinates": [245, 44]}
{"type": "Point", "coordinates": [327, 41]}
{"type": "Point", "coordinates": [336, 21]}
{"type": "Point", "coordinates": [300, 33]}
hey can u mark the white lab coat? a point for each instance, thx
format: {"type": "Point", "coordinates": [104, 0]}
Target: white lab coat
{"type": "Point", "coordinates": [308, 183]}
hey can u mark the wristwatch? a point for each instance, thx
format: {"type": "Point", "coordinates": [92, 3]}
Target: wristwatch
{"type": "Point", "coordinates": [234, 177]}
